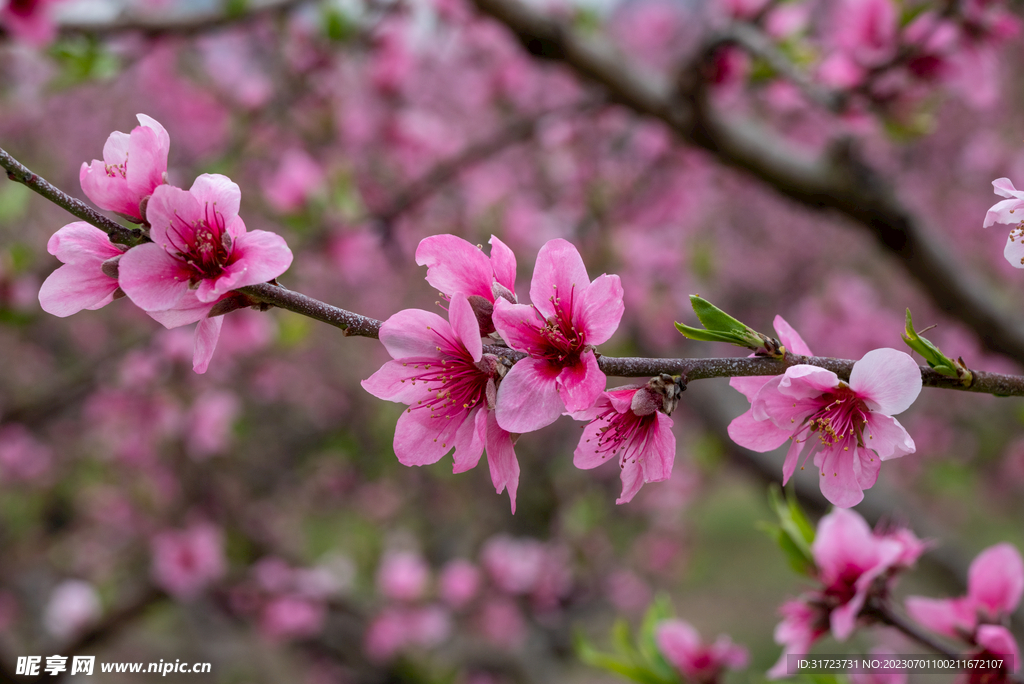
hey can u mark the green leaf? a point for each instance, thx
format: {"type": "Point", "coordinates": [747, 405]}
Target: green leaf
{"type": "Point", "coordinates": [713, 318]}
{"type": "Point", "coordinates": [711, 335]}
{"type": "Point", "coordinates": [934, 357]}
{"type": "Point", "coordinates": [793, 533]}
{"type": "Point", "coordinates": [721, 327]}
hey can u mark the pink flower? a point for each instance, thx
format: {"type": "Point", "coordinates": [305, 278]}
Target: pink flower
{"type": "Point", "coordinates": [1003, 212]}
{"type": "Point", "coordinates": [995, 582]}
{"type": "Point", "coordinates": [454, 265]}
{"type": "Point", "coordinates": [997, 641]}
{"type": "Point", "coordinates": [515, 565]}
{"type": "Point", "coordinates": [186, 561]}
{"type": "Point", "coordinates": [292, 617]}
{"type": "Point", "coordinates": [501, 622]}
{"type": "Point", "coordinates": [450, 386]}
{"type": "Point", "coordinates": [459, 583]}
{"type": "Point", "coordinates": [133, 165]}
{"type": "Point", "coordinates": [403, 576]}
{"type": "Point", "coordinates": [395, 629]}
{"type": "Point", "coordinates": [209, 423]}
{"type": "Point", "coordinates": [681, 646]}
{"type": "Point", "coordinates": [570, 315]}
{"type": "Point", "coordinates": [852, 564]}
{"type": "Point", "coordinates": [853, 422]}
{"type": "Point", "coordinates": [802, 624]}
{"type": "Point", "coordinates": [297, 178]}
{"type": "Point", "coordinates": [635, 422]}
{"type": "Point", "coordinates": [22, 457]}
{"type": "Point", "coordinates": [199, 243]}
{"type": "Point", "coordinates": [74, 605]}
{"type": "Point", "coordinates": [82, 282]}
{"type": "Point", "coordinates": [29, 20]}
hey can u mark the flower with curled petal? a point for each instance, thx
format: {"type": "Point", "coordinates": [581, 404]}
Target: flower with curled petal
{"type": "Point", "coordinates": [440, 371]}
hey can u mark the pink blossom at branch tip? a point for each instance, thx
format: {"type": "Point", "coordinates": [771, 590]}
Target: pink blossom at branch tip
{"type": "Point", "coordinates": [847, 428]}
{"type": "Point", "coordinates": [570, 315]}
{"type": "Point", "coordinates": [81, 283]}
{"type": "Point", "coordinates": [186, 561]}
{"type": "Point", "coordinates": [200, 244]}
{"type": "Point", "coordinates": [440, 372]}
{"type": "Point", "coordinates": [995, 583]}
{"type": "Point", "coordinates": [681, 645]}
{"type": "Point", "coordinates": [403, 576]}
{"type": "Point", "coordinates": [74, 606]}
{"type": "Point", "coordinates": [133, 165]}
{"type": "Point", "coordinates": [292, 617]}
{"type": "Point", "coordinates": [629, 422]}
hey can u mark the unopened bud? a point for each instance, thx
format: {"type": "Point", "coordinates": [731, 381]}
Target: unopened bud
{"type": "Point", "coordinates": [109, 267]}
{"type": "Point", "coordinates": [483, 309]}
{"type": "Point", "coordinates": [668, 388]}
{"type": "Point", "coordinates": [499, 290]}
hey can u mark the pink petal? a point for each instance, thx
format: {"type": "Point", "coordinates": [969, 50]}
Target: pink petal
{"type": "Point", "coordinates": [414, 333]}
{"type": "Point", "coordinates": [842, 536]}
{"type": "Point", "coordinates": [217, 191]}
{"type": "Point", "coordinates": [805, 382]}
{"type": "Point", "coordinates": [790, 338]}
{"type": "Point", "coordinates": [152, 278]}
{"type": "Point", "coordinates": [839, 483]}
{"type": "Point", "coordinates": [81, 243]}
{"type": "Point", "coordinates": [469, 440]}
{"type": "Point", "coordinates": [518, 325]}
{"type": "Point", "coordinates": [588, 453]}
{"type": "Point", "coordinates": [885, 435]}
{"type": "Point", "coordinates": [600, 308]}
{"type": "Point", "coordinates": [887, 380]}
{"type": "Point", "coordinates": [1004, 188]}
{"type": "Point", "coordinates": [187, 310]}
{"type": "Point", "coordinates": [632, 480]}
{"type": "Point", "coordinates": [1004, 211]}
{"type": "Point", "coordinates": [422, 439]}
{"type": "Point", "coordinates": [501, 457]}
{"type": "Point", "coordinates": [148, 162]}
{"type": "Point", "coordinates": [527, 397]}
{"type": "Point", "coordinates": [559, 270]}
{"type": "Point", "coordinates": [465, 325]}
{"type": "Point", "coordinates": [454, 265]}
{"type": "Point", "coordinates": [951, 617]}
{"type": "Point", "coordinates": [163, 139]}
{"type": "Point", "coordinates": [581, 384]}
{"type": "Point", "coordinates": [786, 412]}
{"type": "Point", "coordinates": [258, 256]}
{"type": "Point", "coordinates": [207, 334]}
{"type": "Point", "coordinates": [998, 640]}
{"type": "Point", "coordinates": [503, 263]}
{"type": "Point", "coordinates": [757, 435]}
{"type": "Point", "coordinates": [72, 288]}
{"type": "Point", "coordinates": [110, 193]}
{"type": "Point", "coordinates": [866, 465]}
{"type": "Point", "coordinates": [1014, 251]}
{"type": "Point", "coordinates": [678, 642]}
{"type": "Point", "coordinates": [659, 451]}
{"type": "Point", "coordinates": [170, 206]}
{"type": "Point", "coordinates": [996, 579]}
{"type": "Point", "coordinates": [392, 382]}
{"type": "Point", "coordinates": [793, 455]}
{"type": "Point", "coordinates": [749, 386]}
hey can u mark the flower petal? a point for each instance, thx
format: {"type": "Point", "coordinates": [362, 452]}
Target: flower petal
{"type": "Point", "coordinates": [1004, 211]}
{"type": "Point", "coordinates": [790, 338]}
{"type": "Point", "coordinates": [1014, 250]}
{"type": "Point", "coordinates": [839, 482]}
{"type": "Point", "coordinates": [887, 380]}
{"type": "Point", "coordinates": [588, 452]}
{"type": "Point", "coordinates": [81, 243]}
{"type": "Point", "coordinates": [469, 441]}
{"type": "Point", "coordinates": [422, 438]}
{"type": "Point", "coordinates": [527, 397]}
{"type": "Point", "coordinates": [805, 382]}
{"type": "Point", "coordinates": [414, 333]}
{"type": "Point", "coordinates": [950, 617]}
{"type": "Point", "coordinates": [996, 579]}
{"type": "Point", "coordinates": [632, 480]}
{"type": "Point", "coordinates": [1004, 188]}
{"type": "Point", "coordinates": [187, 310]}
{"type": "Point", "coordinates": [599, 309]}
{"type": "Point", "coordinates": [503, 263]}
{"type": "Point", "coordinates": [258, 256]}
{"type": "Point", "coordinates": [108, 192]}
{"type": "Point", "coordinates": [757, 435]}
{"type": "Point", "coordinates": [501, 458]}
{"type": "Point", "coordinates": [519, 325]}
{"type": "Point", "coordinates": [72, 288]}
{"type": "Point", "coordinates": [454, 265]}
{"type": "Point", "coordinates": [558, 272]}
{"type": "Point", "coordinates": [659, 449]}
{"type": "Point", "coordinates": [465, 325]}
{"type": "Point", "coordinates": [148, 162]}
{"type": "Point", "coordinates": [218, 191]}
{"type": "Point", "coordinates": [207, 334]}
{"type": "Point", "coordinates": [887, 437]}
{"type": "Point", "coordinates": [152, 278]}
{"type": "Point", "coordinates": [392, 382]}
{"type": "Point", "coordinates": [582, 383]}
{"type": "Point", "coordinates": [172, 214]}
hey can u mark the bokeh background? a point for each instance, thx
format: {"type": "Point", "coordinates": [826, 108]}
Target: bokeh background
{"type": "Point", "coordinates": [256, 518]}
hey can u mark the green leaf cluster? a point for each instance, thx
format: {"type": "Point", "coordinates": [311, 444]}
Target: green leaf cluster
{"type": "Point", "coordinates": [934, 357]}
{"type": "Point", "coordinates": [721, 327]}
{"type": "Point", "coordinates": [635, 659]}
{"type": "Point", "coordinates": [793, 533]}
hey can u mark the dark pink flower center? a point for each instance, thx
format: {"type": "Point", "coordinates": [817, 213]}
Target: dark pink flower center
{"type": "Point", "coordinates": [204, 245]}
{"type": "Point", "coordinates": [564, 342]}
{"type": "Point", "coordinates": [23, 8]}
{"type": "Point", "coordinates": [840, 419]}
{"type": "Point", "coordinates": [626, 432]}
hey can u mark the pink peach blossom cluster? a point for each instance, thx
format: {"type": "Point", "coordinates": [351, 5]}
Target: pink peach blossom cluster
{"type": "Point", "coordinates": [195, 249]}
{"type": "Point", "coordinates": [463, 398]}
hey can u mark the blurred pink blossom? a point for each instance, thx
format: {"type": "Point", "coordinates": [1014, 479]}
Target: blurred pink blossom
{"type": "Point", "coordinates": [186, 561]}
{"type": "Point", "coordinates": [74, 606]}
{"type": "Point", "coordinates": [514, 565]}
{"type": "Point", "coordinates": [501, 622]}
{"type": "Point", "coordinates": [23, 458]}
{"type": "Point", "coordinates": [29, 20]}
{"type": "Point", "coordinates": [403, 576]}
{"type": "Point", "coordinates": [292, 617]}
{"type": "Point", "coordinates": [209, 423]}
{"type": "Point", "coordinates": [295, 179]}
{"type": "Point", "coordinates": [683, 648]}
{"type": "Point", "coordinates": [459, 583]}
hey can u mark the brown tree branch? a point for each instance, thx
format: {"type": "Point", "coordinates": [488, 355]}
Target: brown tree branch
{"type": "Point", "coordinates": [837, 180]}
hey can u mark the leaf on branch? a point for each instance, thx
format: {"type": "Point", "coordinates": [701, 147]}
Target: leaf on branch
{"type": "Point", "coordinates": [934, 357]}
{"type": "Point", "coordinates": [721, 327]}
